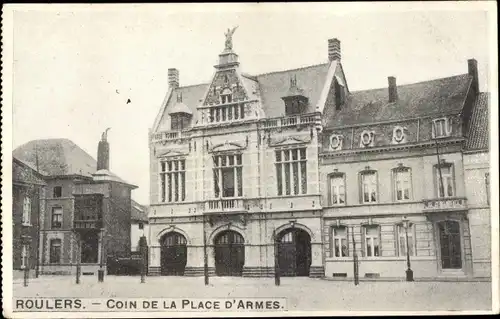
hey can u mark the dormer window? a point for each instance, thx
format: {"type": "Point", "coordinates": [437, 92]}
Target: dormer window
{"type": "Point", "coordinates": [295, 100]}
{"type": "Point", "coordinates": [179, 121]}
{"type": "Point", "coordinates": [398, 135]}
{"type": "Point", "coordinates": [226, 96]}
{"type": "Point", "coordinates": [367, 138]}
{"type": "Point", "coordinates": [336, 142]}
{"type": "Point", "coordinates": [441, 127]}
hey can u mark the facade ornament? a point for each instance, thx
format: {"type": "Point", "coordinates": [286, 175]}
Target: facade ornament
{"type": "Point", "coordinates": [336, 142]}
{"type": "Point", "coordinates": [367, 138]}
{"type": "Point", "coordinates": [229, 38]}
{"type": "Point", "coordinates": [104, 135]}
{"type": "Point", "coordinates": [399, 135]}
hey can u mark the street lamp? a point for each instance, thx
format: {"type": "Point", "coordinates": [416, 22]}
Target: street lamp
{"type": "Point", "coordinates": [409, 272]}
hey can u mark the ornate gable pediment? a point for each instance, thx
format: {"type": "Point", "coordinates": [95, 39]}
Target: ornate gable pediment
{"type": "Point", "coordinates": [225, 82]}
{"type": "Point", "coordinates": [228, 146]}
{"type": "Point", "coordinates": [289, 140]}
{"type": "Point", "coordinates": [171, 153]}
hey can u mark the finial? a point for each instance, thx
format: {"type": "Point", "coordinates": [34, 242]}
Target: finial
{"type": "Point", "coordinates": [104, 135]}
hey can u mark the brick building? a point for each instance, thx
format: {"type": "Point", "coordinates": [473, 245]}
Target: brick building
{"type": "Point", "coordinates": [87, 210]}
{"type": "Point", "coordinates": [292, 163]}
{"type": "Point", "coordinates": [28, 187]}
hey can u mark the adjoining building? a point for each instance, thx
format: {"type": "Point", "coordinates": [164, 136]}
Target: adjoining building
{"type": "Point", "coordinates": [28, 188]}
{"type": "Point", "coordinates": [138, 225]}
{"type": "Point", "coordinates": [293, 164]}
{"type": "Point", "coordinates": [86, 216]}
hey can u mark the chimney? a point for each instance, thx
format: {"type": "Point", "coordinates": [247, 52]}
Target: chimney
{"type": "Point", "coordinates": [393, 89]}
{"type": "Point", "coordinates": [103, 152]}
{"type": "Point", "coordinates": [334, 49]}
{"type": "Point", "coordinates": [472, 66]}
{"type": "Point", "coordinates": [173, 78]}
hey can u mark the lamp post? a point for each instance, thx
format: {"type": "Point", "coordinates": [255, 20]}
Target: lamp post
{"type": "Point", "coordinates": [409, 272]}
{"type": "Point", "coordinates": [100, 272]}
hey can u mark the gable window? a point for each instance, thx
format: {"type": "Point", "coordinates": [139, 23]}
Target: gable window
{"type": "Point", "coordinates": [24, 256]}
{"type": "Point", "coordinates": [368, 187]}
{"type": "Point", "coordinates": [226, 96]}
{"type": "Point", "coordinates": [55, 251]}
{"type": "Point", "coordinates": [401, 240]}
{"type": "Point", "coordinates": [227, 113]}
{"type": "Point", "coordinates": [337, 189]}
{"type": "Point", "coordinates": [339, 242]}
{"type": "Point", "coordinates": [339, 96]}
{"type": "Point", "coordinates": [173, 180]}
{"type": "Point", "coordinates": [57, 192]}
{"type": "Point", "coordinates": [487, 183]}
{"type": "Point", "coordinates": [402, 183]}
{"type": "Point", "coordinates": [445, 183]}
{"type": "Point", "coordinates": [371, 235]}
{"type": "Point", "coordinates": [56, 221]}
{"type": "Point", "coordinates": [291, 171]}
{"type": "Point", "coordinates": [441, 127]}
{"type": "Point", "coordinates": [228, 175]}
{"type": "Point", "coordinates": [26, 218]}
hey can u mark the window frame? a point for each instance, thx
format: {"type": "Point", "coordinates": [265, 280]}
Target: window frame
{"type": "Point", "coordinates": [221, 162]}
{"type": "Point", "coordinates": [361, 186]}
{"type": "Point", "coordinates": [399, 235]}
{"type": "Point", "coordinates": [331, 177]}
{"type": "Point", "coordinates": [27, 208]}
{"type": "Point", "coordinates": [55, 243]}
{"type": "Point", "coordinates": [284, 182]}
{"type": "Point", "coordinates": [446, 128]}
{"type": "Point", "coordinates": [336, 238]}
{"type": "Point", "coordinates": [365, 241]}
{"type": "Point", "coordinates": [54, 191]}
{"type": "Point", "coordinates": [395, 172]}
{"type": "Point", "coordinates": [172, 171]}
{"type": "Point", "coordinates": [53, 213]}
{"type": "Point", "coordinates": [437, 182]}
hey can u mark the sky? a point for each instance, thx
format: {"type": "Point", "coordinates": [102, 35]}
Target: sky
{"type": "Point", "coordinates": [75, 67]}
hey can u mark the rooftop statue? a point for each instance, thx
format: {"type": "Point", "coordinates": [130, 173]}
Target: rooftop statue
{"type": "Point", "coordinates": [229, 38]}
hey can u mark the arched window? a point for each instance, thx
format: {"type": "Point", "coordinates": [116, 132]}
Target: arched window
{"type": "Point", "coordinates": [226, 96]}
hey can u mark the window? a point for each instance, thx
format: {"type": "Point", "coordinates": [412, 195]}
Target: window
{"type": "Point", "coordinates": [291, 171]}
{"type": "Point", "coordinates": [367, 138]}
{"type": "Point", "coordinates": [24, 256]}
{"type": "Point", "coordinates": [227, 113]}
{"type": "Point", "coordinates": [369, 187]}
{"type": "Point", "coordinates": [339, 96]}
{"type": "Point", "coordinates": [228, 175]}
{"type": "Point", "coordinates": [179, 121]}
{"type": "Point", "coordinates": [402, 183]}
{"type": "Point", "coordinates": [173, 180]}
{"type": "Point", "coordinates": [57, 192]}
{"type": "Point", "coordinates": [487, 183]}
{"type": "Point", "coordinates": [226, 96]}
{"type": "Point", "coordinates": [339, 242]}
{"type": "Point", "coordinates": [401, 239]}
{"type": "Point", "coordinates": [371, 236]}
{"type": "Point", "coordinates": [26, 218]}
{"type": "Point", "coordinates": [445, 181]}
{"type": "Point", "coordinates": [56, 217]}
{"type": "Point", "coordinates": [141, 225]}
{"type": "Point", "coordinates": [441, 127]}
{"type": "Point", "coordinates": [55, 251]}
{"type": "Point", "coordinates": [337, 189]}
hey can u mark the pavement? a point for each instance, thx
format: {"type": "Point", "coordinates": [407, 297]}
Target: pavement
{"type": "Point", "coordinates": [302, 294]}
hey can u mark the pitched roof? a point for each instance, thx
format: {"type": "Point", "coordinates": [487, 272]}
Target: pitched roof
{"type": "Point", "coordinates": [273, 86]}
{"type": "Point", "coordinates": [139, 212]}
{"type": "Point", "coordinates": [106, 175]}
{"type": "Point", "coordinates": [478, 138]}
{"type": "Point", "coordinates": [57, 157]}
{"type": "Point", "coordinates": [440, 96]}
{"type": "Point", "coordinates": [270, 87]}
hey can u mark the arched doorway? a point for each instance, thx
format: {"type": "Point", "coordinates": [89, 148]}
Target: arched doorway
{"type": "Point", "coordinates": [173, 254]}
{"type": "Point", "coordinates": [450, 242]}
{"type": "Point", "coordinates": [294, 252]}
{"type": "Point", "coordinates": [229, 253]}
